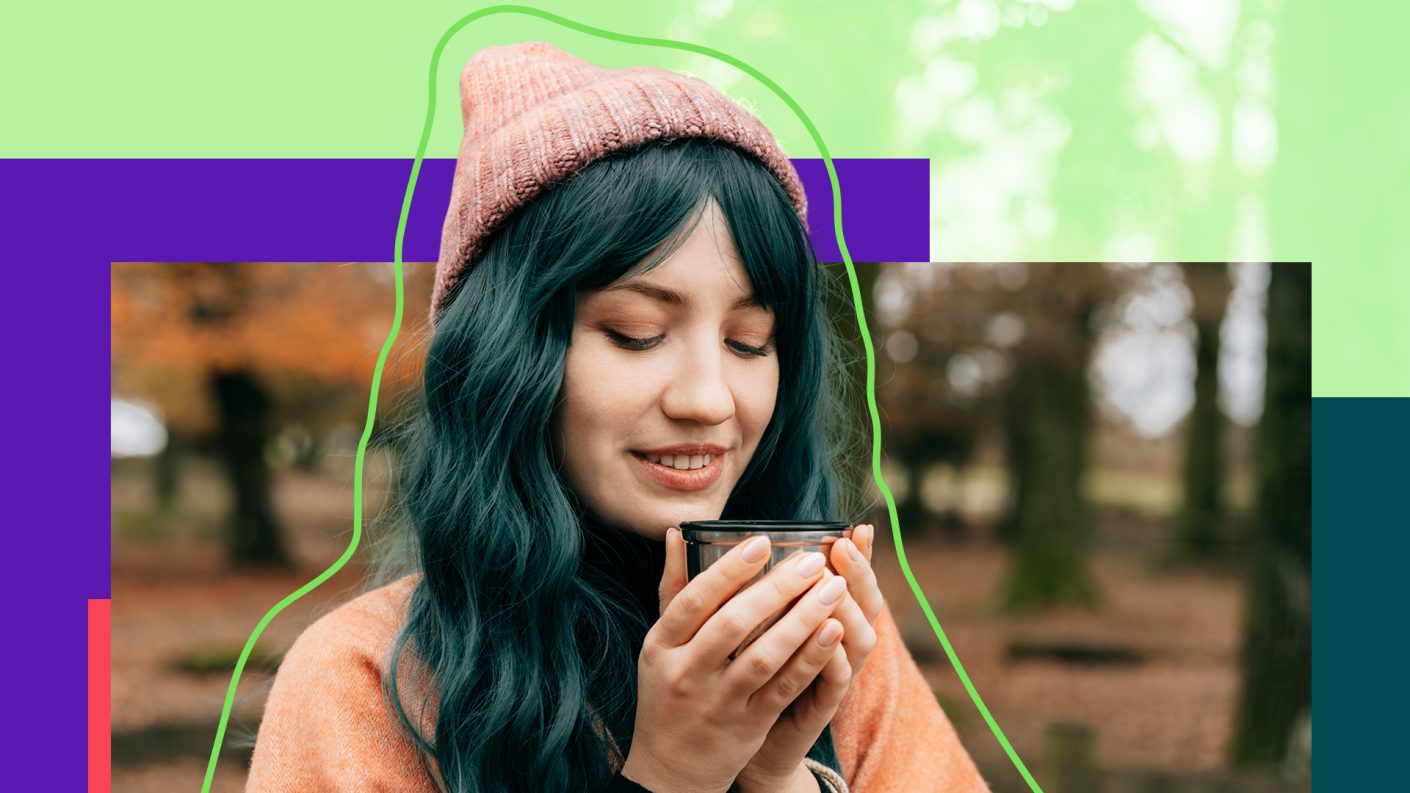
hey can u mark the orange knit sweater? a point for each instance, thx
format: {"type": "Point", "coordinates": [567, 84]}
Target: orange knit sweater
{"type": "Point", "coordinates": [327, 727]}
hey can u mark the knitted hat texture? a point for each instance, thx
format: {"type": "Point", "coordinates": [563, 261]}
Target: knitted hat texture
{"type": "Point", "coordinates": [534, 115]}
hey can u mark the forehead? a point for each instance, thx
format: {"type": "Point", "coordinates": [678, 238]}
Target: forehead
{"type": "Point", "coordinates": [703, 265]}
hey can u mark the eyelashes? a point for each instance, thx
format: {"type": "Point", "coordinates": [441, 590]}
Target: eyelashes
{"type": "Point", "coordinates": [632, 342]}
{"type": "Point", "coordinates": [639, 344]}
{"type": "Point", "coordinates": [754, 352]}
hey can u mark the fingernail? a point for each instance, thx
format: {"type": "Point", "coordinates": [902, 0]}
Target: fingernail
{"type": "Point", "coordinates": [830, 634]}
{"type": "Point", "coordinates": [853, 552]}
{"type": "Point", "coordinates": [755, 549]}
{"type": "Point", "coordinates": [810, 564]}
{"type": "Point", "coordinates": [832, 591]}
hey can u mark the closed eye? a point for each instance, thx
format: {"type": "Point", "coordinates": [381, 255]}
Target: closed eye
{"type": "Point", "coordinates": [632, 342]}
{"type": "Point", "coordinates": [745, 349]}
{"type": "Point", "coordinates": [636, 343]}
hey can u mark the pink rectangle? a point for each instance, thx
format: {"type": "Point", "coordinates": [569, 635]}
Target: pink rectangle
{"type": "Point", "coordinates": [100, 699]}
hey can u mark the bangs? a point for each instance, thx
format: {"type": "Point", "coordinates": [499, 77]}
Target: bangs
{"type": "Point", "coordinates": [627, 213]}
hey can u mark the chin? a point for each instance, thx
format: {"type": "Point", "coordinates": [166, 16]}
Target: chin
{"type": "Point", "coordinates": [679, 515]}
{"type": "Point", "coordinates": [665, 516]}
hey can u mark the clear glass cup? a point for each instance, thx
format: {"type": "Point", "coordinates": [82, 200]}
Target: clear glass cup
{"type": "Point", "coordinates": [706, 541]}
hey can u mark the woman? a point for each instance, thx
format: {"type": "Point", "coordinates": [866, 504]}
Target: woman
{"type": "Point", "coordinates": [628, 335]}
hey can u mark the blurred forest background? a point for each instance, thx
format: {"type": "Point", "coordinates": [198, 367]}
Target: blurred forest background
{"type": "Point", "coordinates": [1102, 471]}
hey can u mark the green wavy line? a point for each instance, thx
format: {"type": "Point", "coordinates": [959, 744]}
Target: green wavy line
{"type": "Point", "coordinates": [396, 326]}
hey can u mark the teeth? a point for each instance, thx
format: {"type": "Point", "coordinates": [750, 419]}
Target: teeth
{"type": "Point", "coordinates": [682, 462]}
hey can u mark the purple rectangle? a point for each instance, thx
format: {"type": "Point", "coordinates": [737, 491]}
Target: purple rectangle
{"type": "Point", "coordinates": [66, 221]}
{"type": "Point", "coordinates": [69, 219]}
{"type": "Point", "coordinates": [885, 209]}
{"type": "Point", "coordinates": [346, 210]}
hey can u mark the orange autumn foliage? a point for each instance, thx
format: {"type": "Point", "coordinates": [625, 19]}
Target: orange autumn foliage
{"type": "Point", "coordinates": [311, 331]}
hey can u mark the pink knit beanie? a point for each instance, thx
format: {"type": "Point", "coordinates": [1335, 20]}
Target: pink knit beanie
{"type": "Point", "coordinates": [534, 115]}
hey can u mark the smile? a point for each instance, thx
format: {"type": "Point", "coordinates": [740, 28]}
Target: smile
{"type": "Point", "coordinates": [686, 472]}
{"type": "Point", "coordinates": [681, 462]}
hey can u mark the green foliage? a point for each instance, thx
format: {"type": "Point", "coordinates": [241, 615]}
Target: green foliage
{"type": "Point", "coordinates": [220, 658]}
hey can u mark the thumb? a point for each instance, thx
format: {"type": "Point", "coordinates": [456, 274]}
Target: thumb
{"type": "Point", "coordinates": [673, 577]}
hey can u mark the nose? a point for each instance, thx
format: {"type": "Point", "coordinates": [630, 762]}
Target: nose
{"type": "Point", "coordinates": [699, 391]}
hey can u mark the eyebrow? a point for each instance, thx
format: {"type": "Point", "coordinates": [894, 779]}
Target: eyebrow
{"type": "Point", "coordinates": [675, 298]}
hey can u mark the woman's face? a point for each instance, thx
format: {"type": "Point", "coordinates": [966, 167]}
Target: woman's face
{"type": "Point", "coordinates": [668, 386]}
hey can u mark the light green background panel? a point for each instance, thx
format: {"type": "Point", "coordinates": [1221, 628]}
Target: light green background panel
{"type": "Point", "coordinates": [323, 79]}
{"type": "Point", "coordinates": [1341, 190]}
{"type": "Point", "coordinates": [260, 78]}
{"type": "Point", "coordinates": [1128, 130]}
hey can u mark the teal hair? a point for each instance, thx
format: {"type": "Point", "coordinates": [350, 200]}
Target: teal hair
{"type": "Point", "coordinates": [527, 620]}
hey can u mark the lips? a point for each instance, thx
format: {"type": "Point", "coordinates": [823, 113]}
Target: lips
{"type": "Point", "coordinates": [676, 479]}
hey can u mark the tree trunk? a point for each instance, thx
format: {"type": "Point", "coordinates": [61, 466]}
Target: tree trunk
{"type": "Point", "coordinates": [255, 535]}
{"type": "Point", "coordinates": [1053, 419]}
{"type": "Point", "coordinates": [1018, 402]}
{"type": "Point", "coordinates": [166, 473]}
{"type": "Point", "coordinates": [1202, 515]}
{"type": "Point", "coordinates": [1069, 757]}
{"type": "Point", "coordinates": [1277, 651]}
{"type": "Point", "coordinates": [912, 511]}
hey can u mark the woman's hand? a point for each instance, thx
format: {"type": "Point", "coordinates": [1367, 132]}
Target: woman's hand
{"type": "Point", "coordinates": [778, 765]}
{"type": "Point", "coordinates": [780, 759]}
{"type": "Point", "coordinates": [701, 717]}
{"type": "Point", "coordinates": [862, 607]}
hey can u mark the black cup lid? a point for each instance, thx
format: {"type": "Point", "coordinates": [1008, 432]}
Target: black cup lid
{"type": "Point", "coordinates": [784, 531]}
{"type": "Point", "coordinates": [764, 525]}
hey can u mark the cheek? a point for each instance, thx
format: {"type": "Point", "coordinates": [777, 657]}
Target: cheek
{"type": "Point", "coordinates": [755, 400]}
{"type": "Point", "coordinates": [598, 406]}
{"type": "Point", "coordinates": [579, 406]}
